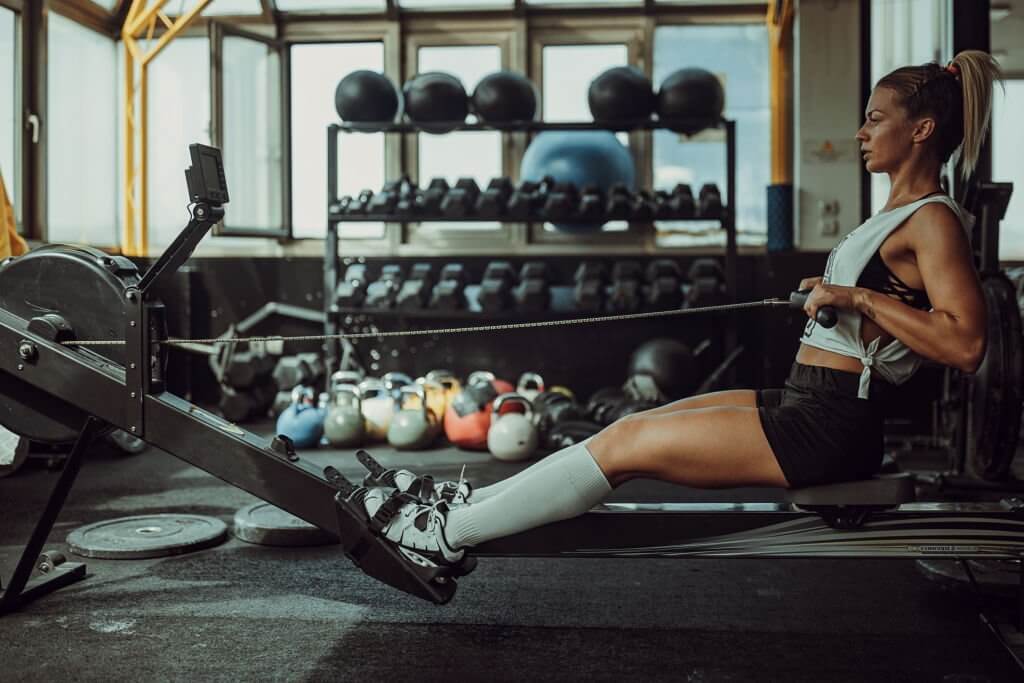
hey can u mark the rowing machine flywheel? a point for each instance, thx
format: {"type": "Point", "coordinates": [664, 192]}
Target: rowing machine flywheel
{"type": "Point", "coordinates": [85, 289]}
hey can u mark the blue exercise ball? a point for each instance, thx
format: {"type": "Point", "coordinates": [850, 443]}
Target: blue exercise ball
{"type": "Point", "coordinates": [593, 157]}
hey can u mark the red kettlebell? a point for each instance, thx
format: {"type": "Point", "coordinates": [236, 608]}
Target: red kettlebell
{"type": "Point", "coordinates": [468, 416]}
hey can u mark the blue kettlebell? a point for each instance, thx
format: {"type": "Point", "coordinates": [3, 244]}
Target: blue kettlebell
{"type": "Point", "coordinates": [302, 421]}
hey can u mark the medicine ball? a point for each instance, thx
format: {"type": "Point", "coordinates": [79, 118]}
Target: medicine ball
{"type": "Point", "coordinates": [580, 157]}
{"type": "Point", "coordinates": [621, 94]}
{"type": "Point", "coordinates": [436, 101]}
{"type": "Point", "coordinates": [504, 97]}
{"type": "Point", "coordinates": [669, 362]}
{"type": "Point", "coordinates": [695, 95]}
{"type": "Point", "coordinates": [367, 97]}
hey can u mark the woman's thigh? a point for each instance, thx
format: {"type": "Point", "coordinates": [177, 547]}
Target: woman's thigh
{"type": "Point", "coordinates": [740, 398]}
{"type": "Point", "coordinates": [713, 447]}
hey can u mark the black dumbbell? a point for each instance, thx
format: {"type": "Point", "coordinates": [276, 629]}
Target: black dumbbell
{"type": "Point", "coordinates": [620, 203]}
{"type": "Point", "coordinates": [382, 292]}
{"type": "Point", "coordinates": [592, 207]}
{"type": "Point", "coordinates": [522, 201]}
{"type": "Point", "coordinates": [496, 287]}
{"type": "Point", "coordinates": [408, 195]}
{"type": "Point", "coordinates": [588, 293]}
{"type": "Point", "coordinates": [561, 202]}
{"type": "Point", "coordinates": [644, 207]}
{"type": "Point", "coordinates": [384, 202]}
{"type": "Point", "coordinates": [360, 205]}
{"type": "Point", "coordinates": [680, 204]}
{"type": "Point", "coordinates": [710, 201]}
{"type": "Point", "coordinates": [626, 292]}
{"type": "Point", "coordinates": [492, 202]}
{"type": "Point", "coordinates": [244, 368]}
{"type": "Point", "coordinates": [664, 279]}
{"type": "Point", "coordinates": [707, 283]}
{"type": "Point", "coordinates": [449, 294]}
{"type": "Point", "coordinates": [533, 293]}
{"type": "Point", "coordinates": [351, 291]}
{"type": "Point", "coordinates": [604, 403]}
{"type": "Point", "coordinates": [235, 405]}
{"type": "Point", "coordinates": [461, 199]}
{"type": "Point", "coordinates": [429, 202]}
{"type": "Point", "coordinates": [415, 291]}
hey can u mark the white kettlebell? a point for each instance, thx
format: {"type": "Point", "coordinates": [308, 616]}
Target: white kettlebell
{"type": "Point", "coordinates": [530, 384]}
{"type": "Point", "coordinates": [378, 406]}
{"type": "Point", "coordinates": [512, 436]}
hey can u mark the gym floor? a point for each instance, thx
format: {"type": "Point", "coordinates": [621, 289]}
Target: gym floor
{"type": "Point", "coordinates": [247, 612]}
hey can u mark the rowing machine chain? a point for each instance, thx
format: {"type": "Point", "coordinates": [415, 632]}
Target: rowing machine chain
{"type": "Point", "coordinates": [723, 308]}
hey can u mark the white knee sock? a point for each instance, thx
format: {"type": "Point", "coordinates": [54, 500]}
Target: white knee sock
{"type": "Point", "coordinates": [482, 494]}
{"type": "Point", "coordinates": [568, 486]}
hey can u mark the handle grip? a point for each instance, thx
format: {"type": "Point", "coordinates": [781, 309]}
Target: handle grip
{"type": "Point", "coordinates": [827, 315]}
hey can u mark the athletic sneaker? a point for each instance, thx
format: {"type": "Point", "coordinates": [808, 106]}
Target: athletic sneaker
{"type": "Point", "coordinates": [415, 527]}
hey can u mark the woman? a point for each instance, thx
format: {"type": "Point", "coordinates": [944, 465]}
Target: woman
{"type": "Point", "coordinates": [905, 287]}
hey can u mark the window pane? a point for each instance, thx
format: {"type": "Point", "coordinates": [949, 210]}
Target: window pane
{"type": "Point", "coordinates": [315, 71]}
{"type": "Point", "coordinates": [81, 141]}
{"type": "Point", "coordinates": [453, 4]}
{"type": "Point", "coordinates": [904, 32]}
{"type": "Point", "coordinates": [9, 98]}
{"type": "Point", "coordinates": [1008, 166]}
{"type": "Point", "coordinates": [592, 3]}
{"type": "Point", "coordinates": [326, 5]}
{"type": "Point", "coordinates": [738, 55]}
{"type": "Point", "coordinates": [568, 71]}
{"type": "Point", "coordinates": [475, 154]}
{"type": "Point", "coordinates": [177, 8]}
{"type": "Point", "coordinates": [179, 114]}
{"type": "Point", "coordinates": [252, 133]}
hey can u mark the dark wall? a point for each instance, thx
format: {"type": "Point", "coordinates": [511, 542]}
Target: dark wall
{"type": "Point", "coordinates": [213, 293]}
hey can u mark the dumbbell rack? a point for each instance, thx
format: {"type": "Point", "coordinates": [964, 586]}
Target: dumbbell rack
{"type": "Point", "coordinates": [332, 315]}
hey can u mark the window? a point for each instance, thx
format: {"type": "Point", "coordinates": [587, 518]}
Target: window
{"type": "Point", "coordinates": [1007, 165]}
{"type": "Point", "coordinates": [9, 99]}
{"type": "Point", "coordinates": [315, 72]}
{"type": "Point", "coordinates": [904, 32]}
{"type": "Point", "coordinates": [738, 55]}
{"type": "Point", "coordinates": [179, 74]}
{"type": "Point", "coordinates": [567, 73]}
{"type": "Point", "coordinates": [454, 4]}
{"type": "Point", "coordinates": [251, 133]}
{"type": "Point", "coordinates": [81, 141]}
{"type": "Point", "coordinates": [177, 8]}
{"type": "Point", "coordinates": [326, 6]}
{"type": "Point", "coordinates": [474, 154]}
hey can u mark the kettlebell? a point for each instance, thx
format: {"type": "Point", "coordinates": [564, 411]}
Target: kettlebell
{"type": "Point", "coordinates": [302, 421]}
{"type": "Point", "coordinates": [448, 380]}
{"type": "Point", "coordinates": [468, 417]}
{"type": "Point", "coordinates": [529, 385]}
{"type": "Point", "coordinates": [394, 381]}
{"type": "Point", "coordinates": [413, 428]}
{"type": "Point", "coordinates": [353, 377]}
{"type": "Point", "coordinates": [512, 436]}
{"type": "Point", "coordinates": [344, 425]}
{"type": "Point", "coordinates": [500, 386]}
{"type": "Point", "coordinates": [435, 394]}
{"type": "Point", "coordinates": [378, 407]}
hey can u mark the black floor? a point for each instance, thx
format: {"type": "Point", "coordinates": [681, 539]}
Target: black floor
{"type": "Point", "coordinates": [241, 612]}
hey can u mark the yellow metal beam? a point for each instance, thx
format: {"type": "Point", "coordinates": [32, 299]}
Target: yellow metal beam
{"type": "Point", "coordinates": [140, 24]}
{"type": "Point", "coordinates": [780, 59]}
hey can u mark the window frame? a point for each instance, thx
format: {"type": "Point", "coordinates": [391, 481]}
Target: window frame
{"type": "Point", "coordinates": [218, 31]}
{"type": "Point", "coordinates": [432, 32]}
{"type": "Point", "coordinates": [19, 172]}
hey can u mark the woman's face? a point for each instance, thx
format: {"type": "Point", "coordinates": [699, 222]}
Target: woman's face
{"type": "Point", "coordinates": [887, 136]}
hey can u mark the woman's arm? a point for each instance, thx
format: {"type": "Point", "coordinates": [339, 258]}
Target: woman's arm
{"type": "Point", "coordinates": [953, 333]}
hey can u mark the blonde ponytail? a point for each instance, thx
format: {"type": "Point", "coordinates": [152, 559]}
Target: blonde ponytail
{"type": "Point", "coordinates": [976, 71]}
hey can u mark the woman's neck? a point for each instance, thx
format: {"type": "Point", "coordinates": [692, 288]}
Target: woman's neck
{"type": "Point", "coordinates": [909, 187]}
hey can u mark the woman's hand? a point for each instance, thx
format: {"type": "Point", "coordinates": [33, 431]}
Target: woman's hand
{"type": "Point", "coordinates": [836, 296]}
{"type": "Point", "coordinates": [809, 283]}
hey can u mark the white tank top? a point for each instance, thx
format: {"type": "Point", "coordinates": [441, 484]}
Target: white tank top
{"type": "Point", "coordinates": [894, 362]}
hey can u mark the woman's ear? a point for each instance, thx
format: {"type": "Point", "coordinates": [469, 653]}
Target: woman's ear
{"type": "Point", "coordinates": [923, 129]}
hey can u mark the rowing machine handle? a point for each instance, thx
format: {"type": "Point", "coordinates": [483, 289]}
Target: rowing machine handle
{"type": "Point", "coordinates": [826, 317]}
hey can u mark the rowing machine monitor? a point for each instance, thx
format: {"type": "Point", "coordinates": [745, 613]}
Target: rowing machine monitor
{"type": "Point", "coordinates": [206, 181]}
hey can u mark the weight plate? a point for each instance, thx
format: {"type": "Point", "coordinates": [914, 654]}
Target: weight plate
{"type": "Point", "coordinates": [13, 452]}
{"type": "Point", "coordinates": [264, 524]}
{"type": "Point", "coordinates": [996, 388]}
{"type": "Point", "coordinates": [136, 538]}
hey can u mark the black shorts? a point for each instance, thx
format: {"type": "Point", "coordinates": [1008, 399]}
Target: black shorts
{"type": "Point", "coordinates": [820, 432]}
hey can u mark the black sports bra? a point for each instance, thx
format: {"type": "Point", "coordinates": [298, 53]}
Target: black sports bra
{"type": "Point", "coordinates": [877, 276]}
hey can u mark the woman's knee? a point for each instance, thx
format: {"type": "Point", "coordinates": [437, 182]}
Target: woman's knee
{"type": "Point", "coordinates": [615, 448]}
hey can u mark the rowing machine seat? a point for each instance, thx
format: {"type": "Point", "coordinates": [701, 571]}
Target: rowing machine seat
{"type": "Point", "coordinates": [882, 490]}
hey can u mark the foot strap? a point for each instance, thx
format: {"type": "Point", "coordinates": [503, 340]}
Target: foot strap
{"type": "Point", "coordinates": [382, 559]}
